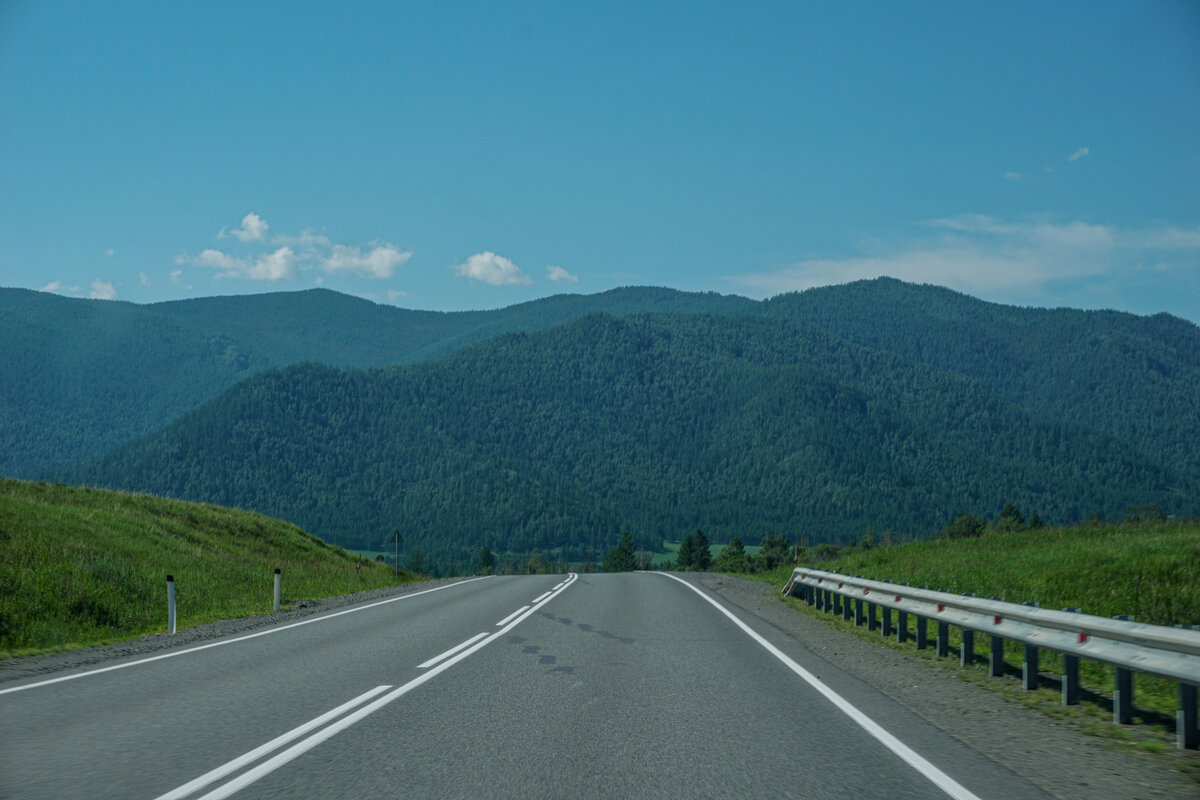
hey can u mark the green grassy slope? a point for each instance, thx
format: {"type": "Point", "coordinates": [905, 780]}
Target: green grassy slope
{"type": "Point", "coordinates": [1148, 570]}
{"type": "Point", "coordinates": [84, 566]}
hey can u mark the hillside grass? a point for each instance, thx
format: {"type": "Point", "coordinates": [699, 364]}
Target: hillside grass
{"type": "Point", "coordinates": [80, 567]}
{"type": "Point", "coordinates": [1149, 570]}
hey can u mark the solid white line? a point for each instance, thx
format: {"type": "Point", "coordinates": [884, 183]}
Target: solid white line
{"type": "Point", "coordinates": [184, 652]}
{"type": "Point", "coordinates": [220, 772]}
{"type": "Point", "coordinates": [506, 620]}
{"type": "Point", "coordinates": [917, 762]}
{"type": "Point", "coordinates": [452, 651]}
{"type": "Point", "coordinates": [298, 749]}
{"type": "Point", "coordinates": [542, 597]}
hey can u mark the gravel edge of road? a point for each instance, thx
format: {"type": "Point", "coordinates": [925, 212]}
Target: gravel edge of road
{"type": "Point", "coordinates": [1050, 753]}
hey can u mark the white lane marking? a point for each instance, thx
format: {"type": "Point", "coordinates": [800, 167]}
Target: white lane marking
{"type": "Point", "coordinates": [452, 651]}
{"type": "Point", "coordinates": [507, 619]}
{"type": "Point", "coordinates": [298, 749]}
{"type": "Point", "coordinates": [910, 756]}
{"type": "Point", "coordinates": [184, 652]}
{"type": "Point", "coordinates": [257, 753]}
{"type": "Point", "coordinates": [542, 597]}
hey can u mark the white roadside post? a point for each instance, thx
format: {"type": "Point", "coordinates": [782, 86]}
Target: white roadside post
{"type": "Point", "coordinates": [278, 588]}
{"type": "Point", "coordinates": [170, 604]}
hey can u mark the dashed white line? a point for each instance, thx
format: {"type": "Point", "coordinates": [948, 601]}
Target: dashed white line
{"type": "Point", "coordinates": [248, 777]}
{"type": "Point", "coordinates": [279, 741]}
{"type": "Point", "coordinates": [452, 651]}
{"type": "Point", "coordinates": [510, 617]}
{"type": "Point", "coordinates": [542, 597]}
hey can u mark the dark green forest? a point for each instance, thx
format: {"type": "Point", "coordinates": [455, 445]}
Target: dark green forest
{"type": "Point", "coordinates": [659, 424]}
{"type": "Point", "coordinates": [555, 425]}
{"type": "Point", "coordinates": [80, 377]}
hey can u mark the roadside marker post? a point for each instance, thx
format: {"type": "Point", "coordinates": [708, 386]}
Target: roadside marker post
{"type": "Point", "coordinates": [278, 588]}
{"type": "Point", "coordinates": [171, 604]}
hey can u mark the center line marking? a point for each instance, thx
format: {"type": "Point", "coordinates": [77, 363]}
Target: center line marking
{"type": "Point", "coordinates": [509, 618]}
{"type": "Point", "coordinates": [452, 651]}
{"type": "Point", "coordinates": [544, 596]}
{"type": "Point", "coordinates": [303, 746]}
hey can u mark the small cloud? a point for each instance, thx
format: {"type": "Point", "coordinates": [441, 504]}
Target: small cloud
{"type": "Point", "coordinates": [379, 262]}
{"type": "Point", "coordinates": [395, 294]}
{"type": "Point", "coordinates": [487, 267]}
{"type": "Point", "coordinates": [560, 275]}
{"type": "Point", "coordinates": [175, 274]}
{"type": "Point", "coordinates": [103, 290]}
{"type": "Point", "coordinates": [1078, 154]}
{"type": "Point", "coordinates": [110, 252]}
{"type": "Point", "coordinates": [142, 277]}
{"type": "Point", "coordinates": [52, 287]}
{"type": "Point", "coordinates": [254, 229]}
{"type": "Point", "coordinates": [270, 267]}
{"type": "Point", "coordinates": [1013, 176]}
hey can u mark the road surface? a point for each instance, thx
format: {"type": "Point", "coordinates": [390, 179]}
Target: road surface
{"type": "Point", "coordinates": [623, 685]}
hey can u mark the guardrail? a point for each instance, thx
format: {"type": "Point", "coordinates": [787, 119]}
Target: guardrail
{"type": "Point", "coordinates": [1130, 646]}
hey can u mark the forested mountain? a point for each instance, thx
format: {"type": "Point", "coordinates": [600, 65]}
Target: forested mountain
{"type": "Point", "coordinates": [656, 423]}
{"type": "Point", "coordinates": [1135, 378]}
{"type": "Point", "coordinates": [79, 377]}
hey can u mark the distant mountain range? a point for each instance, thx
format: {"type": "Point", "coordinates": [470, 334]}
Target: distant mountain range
{"type": "Point", "coordinates": [561, 422]}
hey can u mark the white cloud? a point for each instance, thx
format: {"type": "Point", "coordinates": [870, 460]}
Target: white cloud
{"type": "Point", "coordinates": [110, 252]}
{"type": "Point", "coordinates": [1013, 176]}
{"type": "Point", "coordinates": [253, 229]}
{"type": "Point", "coordinates": [1078, 154]}
{"type": "Point", "coordinates": [175, 274]}
{"type": "Point", "coordinates": [394, 295]}
{"type": "Point", "coordinates": [560, 275]}
{"type": "Point", "coordinates": [487, 267]}
{"type": "Point", "coordinates": [103, 290]}
{"type": "Point", "coordinates": [379, 262]}
{"type": "Point", "coordinates": [143, 279]}
{"type": "Point", "coordinates": [273, 266]}
{"type": "Point", "coordinates": [986, 255]}
{"type": "Point", "coordinates": [52, 287]}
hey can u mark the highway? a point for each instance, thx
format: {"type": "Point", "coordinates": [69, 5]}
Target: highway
{"type": "Point", "coordinates": [623, 685]}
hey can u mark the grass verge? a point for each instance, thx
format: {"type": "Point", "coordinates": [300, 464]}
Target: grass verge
{"type": "Point", "coordinates": [80, 567]}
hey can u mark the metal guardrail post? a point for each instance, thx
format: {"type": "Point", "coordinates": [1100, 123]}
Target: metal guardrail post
{"type": "Point", "coordinates": [966, 653]}
{"type": "Point", "coordinates": [902, 626]}
{"type": "Point", "coordinates": [996, 657]}
{"type": "Point", "coordinates": [943, 639]}
{"type": "Point", "coordinates": [1070, 675]}
{"type": "Point", "coordinates": [846, 609]}
{"type": "Point", "coordinates": [1029, 665]}
{"type": "Point", "coordinates": [872, 616]}
{"type": "Point", "coordinates": [1187, 736]}
{"type": "Point", "coordinates": [922, 632]}
{"type": "Point", "coordinates": [887, 620]}
{"type": "Point", "coordinates": [858, 611]}
{"type": "Point", "coordinates": [1123, 691]}
{"type": "Point", "coordinates": [837, 602]}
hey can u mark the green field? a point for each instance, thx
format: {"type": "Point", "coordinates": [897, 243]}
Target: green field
{"type": "Point", "coordinates": [80, 566]}
{"type": "Point", "coordinates": [1148, 570]}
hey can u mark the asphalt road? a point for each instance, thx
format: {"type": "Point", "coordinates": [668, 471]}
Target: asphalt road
{"type": "Point", "coordinates": [627, 685]}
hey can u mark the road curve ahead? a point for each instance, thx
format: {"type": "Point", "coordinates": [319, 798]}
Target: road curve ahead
{"type": "Point", "coordinates": [623, 685]}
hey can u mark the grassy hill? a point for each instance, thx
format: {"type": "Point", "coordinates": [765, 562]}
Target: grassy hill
{"type": "Point", "coordinates": [82, 566]}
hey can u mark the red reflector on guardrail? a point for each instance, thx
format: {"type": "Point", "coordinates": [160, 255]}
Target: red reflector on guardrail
{"type": "Point", "coordinates": [996, 620]}
{"type": "Point", "coordinates": [1083, 637]}
{"type": "Point", "coordinates": [941, 608]}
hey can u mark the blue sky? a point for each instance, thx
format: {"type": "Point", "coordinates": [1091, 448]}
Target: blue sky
{"type": "Point", "coordinates": [474, 155]}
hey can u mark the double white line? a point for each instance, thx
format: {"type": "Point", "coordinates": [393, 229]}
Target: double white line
{"type": "Point", "coordinates": [435, 665]}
